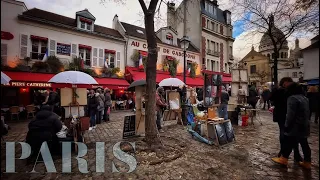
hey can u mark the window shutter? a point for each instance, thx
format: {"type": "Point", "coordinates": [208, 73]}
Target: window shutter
{"type": "Point", "coordinates": [4, 53]}
{"type": "Point", "coordinates": [74, 50]}
{"type": "Point", "coordinates": [95, 57]}
{"type": "Point", "coordinates": [101, 59]}
{"type": "Point", "coordinates": [23, 46]}
{"type": "Point", "coordinates": [52, 47]}
{"type": "Point", "coordinates": [118, 60]}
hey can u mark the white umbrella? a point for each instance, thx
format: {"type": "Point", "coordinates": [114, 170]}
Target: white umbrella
{"type": "Point", "coordinates": [175, 82]}
{"type": "Point", "coordinates": [5, 79]}
{"type": "Point", "coordinates": [73, 77]}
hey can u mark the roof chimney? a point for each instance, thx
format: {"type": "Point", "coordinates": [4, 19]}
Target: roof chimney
{"type": "Point", "coordinates": [297, 43]}
{"type": "Point", "coordinates": [171, 15]}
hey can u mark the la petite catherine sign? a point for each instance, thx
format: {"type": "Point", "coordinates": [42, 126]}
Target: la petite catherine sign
{"type": "Point", "coordinates": [29, 84]}
{"type": "Point", "coordinates": [6, 35]}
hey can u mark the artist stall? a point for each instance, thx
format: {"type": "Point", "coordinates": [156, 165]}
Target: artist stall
{"type": "Point", "coordinates": [74, 100]}
{"type": "Point", "coordinates": [207, 126]}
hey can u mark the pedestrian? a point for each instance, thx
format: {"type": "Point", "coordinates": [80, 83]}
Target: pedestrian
{"type": "Point", "coordinates": [253, 97]}
{"type": "Point", "coordinates": [241, 95]}
{"type": "Point", "coordinates": [265, 96]}
{"type": "Point", "coordinates": [101, 100]}
{"type": "Point", "coordinates": [107, 104]}
{"type": "Point", "coordinates": [279, 97]}
{"type": "Point", "coordinates": [92, 108]}
{"type": "Point", "coordinates": [313, 96]}
{"type": "Point", "coordinates": [52, 99]}
{"type": "Point", "coordinates": [160, 104]}
{"type": "Point", "coordinates": [43, 128]}
{"type": "Point", "coordinates": [297, 126]}
{"type": "Point", "coordinates": [223, 107]}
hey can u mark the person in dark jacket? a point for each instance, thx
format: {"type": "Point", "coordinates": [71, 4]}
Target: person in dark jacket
{"type": "Point", "coordinates": [92, 109]}
{"type": "Point", "coordinates": [43, 128]}
{"type": "Point", "coordinates": [279, 99]}
{"type": "Point", "coordinates": [266, 96]}
{"type": "Point", "coordinates": [297, 126]}
{"type": "Point", "coordinates": [253, 97]}
{"type": "Point", "coordinates": [223, 107]}
{"type": "Point", "coordinates": [313, 96]}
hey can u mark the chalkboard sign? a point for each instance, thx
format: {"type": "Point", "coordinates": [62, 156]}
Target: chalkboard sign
{"type": "Point", "coordinates": [63, 49]}
{"type": "Point", "coordinates": [129, 126]}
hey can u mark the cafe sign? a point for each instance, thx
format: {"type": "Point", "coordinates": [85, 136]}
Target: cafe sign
{"type": "Point", "coordinates": [29, 84]}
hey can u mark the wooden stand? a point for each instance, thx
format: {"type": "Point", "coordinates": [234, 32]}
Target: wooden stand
{"type": "Point", "coordinates": [168, 114]}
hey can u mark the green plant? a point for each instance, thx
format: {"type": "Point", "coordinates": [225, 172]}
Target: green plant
{"type": "Point", "coordinates": [75, 64]}
{"type": "Point", "coordinates": [115, 70]}
{"type": "Point", "coordinates": [27, 60]}
{"type": "Point", "coordinates": [40, 66]}
{"type": "Point", "coordinates": [90, 72]}
{"type": "Point", "coordinates": [172, 64]}
{"type": "Point", "coordinates": [54, 63]}
{"type": "Point", "coordinates": [193, 69]}
{"type": "Point", "coordinates": [135, 56]}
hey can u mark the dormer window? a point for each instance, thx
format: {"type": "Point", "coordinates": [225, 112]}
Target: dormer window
{"type": "Point", "coordinates": [169, 38]}
{"type": "Point", "coordinates": [85, 24]}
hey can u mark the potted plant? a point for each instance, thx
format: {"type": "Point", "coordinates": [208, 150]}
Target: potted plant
{"type": "Point", "coordinates": [193, 69]}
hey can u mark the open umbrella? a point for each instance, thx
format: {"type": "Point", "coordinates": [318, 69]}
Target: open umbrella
{"type": "Point", "coordinates": [5, 79]}
{"type": "Point", "coordinates": [136, 83]}
{"type": "Point", "coordinates": [73, 77]}
{"type": "Point", "coordinates": [173, 82]}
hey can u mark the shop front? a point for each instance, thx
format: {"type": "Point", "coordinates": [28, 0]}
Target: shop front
{"type": "Point", "coordinates": [23, 87]}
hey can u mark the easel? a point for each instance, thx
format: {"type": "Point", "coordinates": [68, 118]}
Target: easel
{"type": "Point", "coordinates": [172, 96]}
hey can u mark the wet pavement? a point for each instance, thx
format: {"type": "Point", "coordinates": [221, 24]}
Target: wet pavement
{"type": "Point", "coordinates": [249, 157]}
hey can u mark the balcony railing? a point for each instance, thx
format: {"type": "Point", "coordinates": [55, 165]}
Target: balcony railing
{"type": "Point", "coordinates": [213, 53]}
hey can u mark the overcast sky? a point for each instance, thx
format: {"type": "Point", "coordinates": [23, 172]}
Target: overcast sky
{"type": "Point", "coordinates": [130, 12]}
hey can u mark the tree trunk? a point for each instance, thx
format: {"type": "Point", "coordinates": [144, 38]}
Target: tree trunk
{"type": "Point", "coordinates": [151, 132]}
{"type": "Point", "coordinates": [275, 67]}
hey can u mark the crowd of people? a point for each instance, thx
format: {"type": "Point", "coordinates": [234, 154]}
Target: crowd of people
{"type": "Point", "coordinates": [98, 106]}
{"type": "Point", "coordinates": [292, 111]}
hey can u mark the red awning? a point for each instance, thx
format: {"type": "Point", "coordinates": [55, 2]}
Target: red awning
{"type": "Point", "coordinates": [138, 75]}
{"type": "Point", "coordinates": [226, 79]}
{"type": "Point", "coordinates": [86, 20]}
{"type": "Point", "coordinates": [40, 80]}
{"type": "Point", "coordinates": [109, 51]}
{"type": "Point", "coordinates": [143, 53]}
{"type": "Point", "coordinates": [39, 38]}
{"type": "Point", "coordinates": [112, 83]}
{"type": "Point", "coordinates": [84, 46]}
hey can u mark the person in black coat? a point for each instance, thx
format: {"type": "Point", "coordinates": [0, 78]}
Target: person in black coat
{"type": "Point", "coordinates": [266, 97]}
{"type": "Point", "coordinates": [92, 108]}
{"type": "Point", "coordinates": [43, 128]}
{"type": "Point", "coordinates": [279, 97]}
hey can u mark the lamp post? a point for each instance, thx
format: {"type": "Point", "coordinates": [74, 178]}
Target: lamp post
{"type": "Point", "coordinates": [271, 69]}
{"type": "Point", "coordinates": [184, 42]}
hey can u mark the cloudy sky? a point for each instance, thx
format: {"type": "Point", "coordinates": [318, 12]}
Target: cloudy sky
{"type": "Point", "coordinates": [130, 12]}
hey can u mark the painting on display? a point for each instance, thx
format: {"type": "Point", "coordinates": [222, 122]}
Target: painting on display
{"type": "Point", "coordinates": [212, 83]}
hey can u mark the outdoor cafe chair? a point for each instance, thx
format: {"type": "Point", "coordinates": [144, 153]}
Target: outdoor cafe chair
{"type": "Point", "coordinates": [14, 110]}
{"type": "Point", "coordinates": [123, 105]}
{"type": "Point", "coordinates": [31, 109]}
{"type": "Point", "coordinates": [113, 106]}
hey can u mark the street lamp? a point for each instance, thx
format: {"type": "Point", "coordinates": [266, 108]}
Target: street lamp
{"type": "Point", "coordinates": [184, 42]}
{"type": "Point", "coordinates": [271, 67]}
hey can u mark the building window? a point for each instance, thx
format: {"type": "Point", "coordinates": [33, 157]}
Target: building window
{"type": "Point", "coordinates": [208, 25]}
{"type": "Point", "coordinates": [189, 64]}
{"type": "Point", "coordinates": [110, 59]}
{"type": "Point", "coordinates": [294, 74]}
{"type": "Point", "coordinates": [253, 69]}
{"type": "Point", "coordinates": [85, 54]}
{"type": "Point", "coordinates": [231, 50]}
{"type": "Point", "coordinates": [39, 49]}
{"type": "Point", "coordinates": [212, 65]}
{"type": "Point", "coordinates": [208, 64]}
{"type": "Point", "coordinates": [212, 26]}
{"type": "Point", "coordinates": [4, 50]}
{"type": "Point", "coordinates": [282, 55]}
{"type": "Point", "coordinates": [169, 39]}
{"type": "Point", "coordinates": [85, 24]}
{"type": "Point", "coordinates": [209, 8]}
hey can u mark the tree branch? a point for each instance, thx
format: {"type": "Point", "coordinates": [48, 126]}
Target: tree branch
{"type": "Point", "coordinates": [143, 6]}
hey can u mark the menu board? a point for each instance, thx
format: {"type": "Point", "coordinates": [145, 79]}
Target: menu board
{"type": "Point", "coordinates": [63, 49]}
{"type": "Point", "coordinates": [129, 126]}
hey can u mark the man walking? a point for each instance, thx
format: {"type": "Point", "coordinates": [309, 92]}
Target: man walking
{"type": "Point", "coordinates": [266, 97]}
{"type": "Point", "coordinates": [223, 108]}
{"type": "Point", "coordinates": [279, 98]}
{"type": "Point", "coordinates": [160, 104]}
{"type": "Point", "coordinates": [297, 126]}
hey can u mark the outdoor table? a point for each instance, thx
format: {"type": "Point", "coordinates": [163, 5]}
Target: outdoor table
{"type": "Point", "coordinates": [120, 102]}
{"type": "Point", "coordinates": [7, 109]}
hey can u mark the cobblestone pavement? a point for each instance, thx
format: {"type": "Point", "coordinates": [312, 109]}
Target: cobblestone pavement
{"type": "Point", "coordinates": [247, 158]}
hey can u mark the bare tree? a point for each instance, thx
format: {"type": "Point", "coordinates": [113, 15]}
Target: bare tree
{"type": "Point", "coordinates": [275, 16]}
{"type": "Point", "coordinates": [262, 75]}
